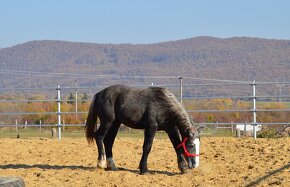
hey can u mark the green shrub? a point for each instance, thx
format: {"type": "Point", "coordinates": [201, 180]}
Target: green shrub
{"type": "Point", "coordinates": [267, 132]}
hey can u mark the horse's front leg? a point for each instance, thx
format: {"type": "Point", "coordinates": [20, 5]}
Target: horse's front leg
{"type": "Point", "coordinates": [175, 140]}
{"type": "Point", "coordinates": [147, 145]}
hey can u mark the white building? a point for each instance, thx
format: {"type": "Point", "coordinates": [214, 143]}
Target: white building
{"type": "Point", "coordinates": [248, 127]}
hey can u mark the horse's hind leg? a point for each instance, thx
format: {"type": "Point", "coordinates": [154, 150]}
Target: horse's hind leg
{"type": "Point", "coordinates": [108, 142]}
{"type": "Point", "coordinates": [99, 136]}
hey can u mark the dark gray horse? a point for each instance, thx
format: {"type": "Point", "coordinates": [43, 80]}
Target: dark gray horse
{"type": "Point", "coordinates": [151, 109]}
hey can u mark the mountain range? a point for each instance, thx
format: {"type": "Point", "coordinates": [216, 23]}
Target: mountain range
{"type": "Point", "coordinates": [48, 63]}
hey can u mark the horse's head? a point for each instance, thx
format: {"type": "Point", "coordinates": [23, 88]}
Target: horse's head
{"type": "Point", "coordinates": [190, 149]}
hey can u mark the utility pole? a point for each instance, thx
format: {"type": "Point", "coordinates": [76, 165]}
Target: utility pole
{"type": "Point", "coordinates": [76, 100]}
{"type": "Point", "coordinates": [180, 83]}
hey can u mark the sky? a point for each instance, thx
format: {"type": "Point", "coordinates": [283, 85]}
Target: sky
{"type": "Point", "coordinates": [140, 21]}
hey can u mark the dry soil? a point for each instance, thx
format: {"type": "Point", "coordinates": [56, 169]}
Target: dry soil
{"type": "Point", "coordinates": [71, 162]}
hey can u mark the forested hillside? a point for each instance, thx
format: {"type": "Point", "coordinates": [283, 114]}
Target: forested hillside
{"type": "Point", "coordinates": [238, 58]}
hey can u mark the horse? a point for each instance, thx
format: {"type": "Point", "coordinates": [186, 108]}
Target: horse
{"type": "Point", "coordinates": [152, 109]}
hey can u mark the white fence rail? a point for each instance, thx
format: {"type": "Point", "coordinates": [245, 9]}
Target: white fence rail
{"type": "Point", "coordinates": [183, 92]}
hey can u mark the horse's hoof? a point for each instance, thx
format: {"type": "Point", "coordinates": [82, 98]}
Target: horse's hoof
{"type": "Point", "coordinates": [112, 168]}
{"type": "Point", "coordinates": [111, 165]}
{"type": "Point", "coordinates": [145, 172]}
{"type": "Point", "coordinates": [102, 164]}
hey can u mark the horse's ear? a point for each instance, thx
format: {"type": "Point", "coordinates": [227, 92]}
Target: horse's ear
{"type": "Point", "coordinates": [200, 128]}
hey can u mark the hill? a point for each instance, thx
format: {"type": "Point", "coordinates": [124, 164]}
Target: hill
{"type": "Point", "coordinates": [238, 58]}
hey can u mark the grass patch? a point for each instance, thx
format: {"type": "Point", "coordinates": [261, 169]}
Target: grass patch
{"type": "Point", "coordinates": [287, 104]}
{"type": "Point", "coordinates": [6, 132]}
{"type": "Point", "coordinates": [33, 132]}
{"type": "Point", "coordinates": [47, 133]}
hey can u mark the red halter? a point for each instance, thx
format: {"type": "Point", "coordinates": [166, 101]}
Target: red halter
{"type": "Point", "coordinates": [186, 153]}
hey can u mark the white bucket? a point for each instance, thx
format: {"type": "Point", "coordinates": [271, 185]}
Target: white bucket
{"type": "Point", "coordinates": [197, 147]}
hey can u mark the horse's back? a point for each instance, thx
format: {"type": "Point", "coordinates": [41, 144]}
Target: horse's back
{"type": "Point", "coordinates": [125, 104]}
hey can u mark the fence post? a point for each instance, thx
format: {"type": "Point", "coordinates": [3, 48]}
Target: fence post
{"type": "Point", "coordinates": [254, 111]}
{"type": "Point", "coordinates": [16, 125]}
{"type": "Point", "coordinates": [25, 124]}
{"type": "Point", "coordinates": [238, 133]}
{"type": "Point", "coordinates": [63, 124]}
{"type": "Point", "coordinates": [76, 93]}
{"type": "Point", "coordinates": [180, 83]}
{"type": "Point", "coordinates": [40, 125]}
{"type": "Point", "coordinates": [58, 112]}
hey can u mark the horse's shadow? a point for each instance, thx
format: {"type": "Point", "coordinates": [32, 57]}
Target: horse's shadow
{"type": "Point", "coordinates": [150, 171]}
{"type": "Point", "coordinates": [44, 166]}
{"type": "Point", "coordinates": [271, 173]}
{"type": "Point", "coordinates": [59, 167]}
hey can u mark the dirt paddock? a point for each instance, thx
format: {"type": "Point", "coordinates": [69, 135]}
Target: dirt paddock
{"type": "Point", "coordinates": [71, 162]}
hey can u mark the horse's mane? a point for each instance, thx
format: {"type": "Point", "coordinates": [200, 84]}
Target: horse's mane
{"type": "Point", "coordinates": [175, 108]}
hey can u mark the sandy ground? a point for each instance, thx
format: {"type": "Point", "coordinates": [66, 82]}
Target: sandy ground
{"type": "Point", "coordinates": [71, 162]}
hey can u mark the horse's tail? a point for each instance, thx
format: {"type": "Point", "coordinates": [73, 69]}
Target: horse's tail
{"type": "Point", "coordinates": [91, 121]}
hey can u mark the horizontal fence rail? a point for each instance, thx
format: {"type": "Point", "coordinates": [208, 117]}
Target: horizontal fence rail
{"type": "Point", "coordinates": [178, 89]}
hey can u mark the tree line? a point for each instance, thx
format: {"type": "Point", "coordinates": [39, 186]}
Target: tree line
{"type": "Point", "coordinates": [68, 105]}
